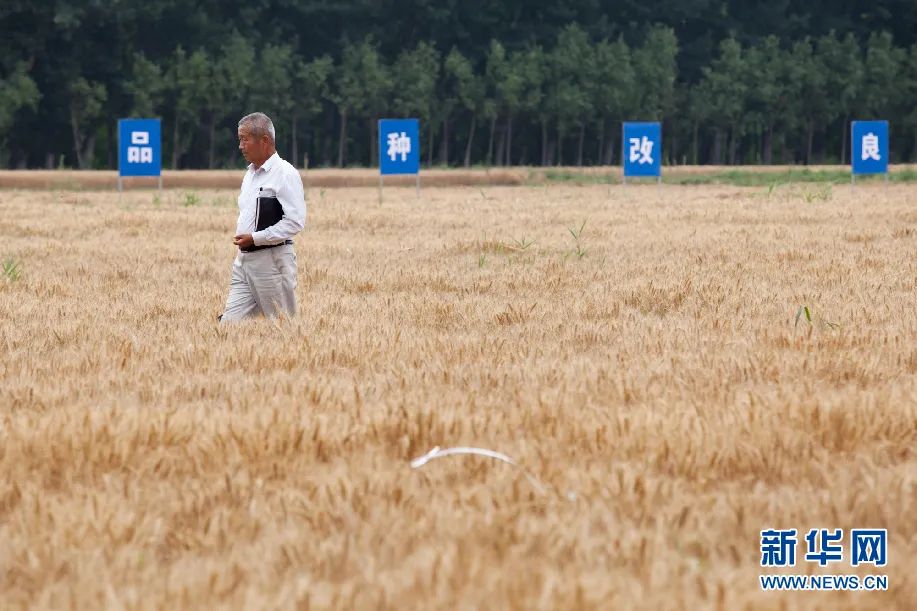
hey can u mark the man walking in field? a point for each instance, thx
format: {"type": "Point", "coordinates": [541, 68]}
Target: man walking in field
{"type": "Point", "coordinates": [264, 271]}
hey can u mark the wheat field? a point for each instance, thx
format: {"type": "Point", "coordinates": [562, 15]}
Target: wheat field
{"type": "Point", "coordinates": [637, 350]}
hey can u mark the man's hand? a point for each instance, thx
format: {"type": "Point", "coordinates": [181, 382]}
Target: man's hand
{"type": "Point", "coordinates": [244, 240]}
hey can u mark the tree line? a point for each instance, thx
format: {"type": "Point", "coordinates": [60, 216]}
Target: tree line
{"type": "Point", "coordinates": [748, 99]}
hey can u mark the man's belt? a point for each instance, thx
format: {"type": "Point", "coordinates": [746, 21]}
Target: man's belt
{"type": "Point", "coordinates": [254, 248]}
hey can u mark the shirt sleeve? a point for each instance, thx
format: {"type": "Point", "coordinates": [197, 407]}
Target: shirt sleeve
{"type": "Point", "coordinates": [292, 199]}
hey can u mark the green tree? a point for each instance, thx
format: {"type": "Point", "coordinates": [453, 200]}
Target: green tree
{"type": "Point", "coordinates": [656, 63]}
{"type": "Point", "coordinates": [361, 88]}
{"type": "Point", "coordinates": [189, 80]}
{"type": "Point", "coordinates": [881, 91]}
{"type": "Point", "coordinates": [17, 92]}
{"type": "Point", "coordinates": [883, 94]}
{"type": "Point", "coordinates": [469, 89]}
{"type": "Point", "coordinates": [842, 65]}
{"type": "Point", "coordinates": [87, 99]}
{"type": "Point", "coordinates": [808, 85]}
{"type": "Point", "coordinates": [228, 91]}
{"type": "Point", "coordinates": [417, 71]}
{"type": "Point", "coordinates": [310, 88]}
{"type": "Point", "coordinates": [764, 91]}
{"type": "Point", "coordinates": [532, 63]}
{"type": "Point", "coordinates": [910, 115]}
{"type": "Point", "coordinates": [506, 83]}
{"type": "Point", "coordinates": [272, 94]}
{"type": "Point", "coordinates": [613, 92]}
{"type": "Point", "coordinates": [145, 87]}
{"type": "Point", "coordinates": [723, 93]}
{"type": "Point", "coordinates": [572, 76]}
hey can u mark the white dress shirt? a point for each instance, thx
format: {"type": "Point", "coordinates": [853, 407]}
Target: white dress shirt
{"type": "Point", "coordinates": [286, 183]}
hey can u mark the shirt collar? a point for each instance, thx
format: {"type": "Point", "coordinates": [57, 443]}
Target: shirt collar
{"type": "Point", "coordinates": [267, 165]}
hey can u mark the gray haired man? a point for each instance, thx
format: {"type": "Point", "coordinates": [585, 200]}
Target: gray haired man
{"type": "Point", "coordinates": [264, 271]}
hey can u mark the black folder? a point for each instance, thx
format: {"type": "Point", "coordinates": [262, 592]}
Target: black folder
{"type": "Point", "coordinates": [269, 212]}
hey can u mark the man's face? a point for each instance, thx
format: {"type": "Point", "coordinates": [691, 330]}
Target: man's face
{"type": "Point", "coordinates": [254, 149]}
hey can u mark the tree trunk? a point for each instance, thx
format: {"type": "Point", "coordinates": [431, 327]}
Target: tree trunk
{"type": "Point", "coordinates": [500, 157]}
{"type": "Point", "coordinates": [509, 140]}
{"type": "Point", "coordinates": [544, 143]}
{"type": "Point", "coordinates": [756, 147]}
{"type": "Point", "coordinates": [560, 147]}
{"type": "Point", "coordinates": [373, 142]}
{"type": "Point", "coordinates": [844, 131]}
{"type": "Point", "coordinates": [673, 149]}
{"type": "Point", "coordinates": [211, 135]}
{"type": "Point", "coordinates": [732, 144]}
{"type": "Point", "coordinates": [914, 147]}
{"type": "Point", "coordinates": [768, 153]}
{"type": "Point", "coordinates": [444, 145]}
{"type": "Point", "coordinates": [717, 146]}
{"type": "Point", "coordinates": [430, 145]}
{"type": "Point", "coordinates": [810, 137]}
{"type": "Point", "coordinates": [501, 149]}
{"type": "Point", "coordinates": [579, 145]}
{"type": "Point", "coordinates": [610, 146]}
{"type": "Point", "coordinates": [294, 145]}
{"type": "Point", "coordinates": [695, 136]}
{"type": "Point", "coordinates": [341, 137]}
{"type": "Point", "coordinates": [819, 153]}
{"type": "Point", "coordinates": [113, 152]}
{"type": "Point", "coordinates": [77, 139]}
{"type": "Point", "coordinates": [88, 152]}
{"type": "Point", "coordinates": [474, 118]}
{"type": "Point", "coordinates": [601, 150]}
{"type": "Point", "coordinates": [490, 142]}
{"type": "Point", "coordinates": [327, 139]}
{"type": "Point", "coordinates": [175, 145]}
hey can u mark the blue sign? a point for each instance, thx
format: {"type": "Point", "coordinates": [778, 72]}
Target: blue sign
{"type": "Point", "coordinates": [869, 147]}
{"type": "Point", "coordinates": [139, 147]}
{"type": "Point", "coordinates": [642, 152]}
{"type": "Point", "coordinates": [399, 146]}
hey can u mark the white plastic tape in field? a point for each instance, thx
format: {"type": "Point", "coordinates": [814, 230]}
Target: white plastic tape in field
{"type": "Point", "coordinates": [438, 452]}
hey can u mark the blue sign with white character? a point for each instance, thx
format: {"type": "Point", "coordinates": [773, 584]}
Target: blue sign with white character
{"type": "Point", "coordinates": [642, 152]}
{"type": "Point", "coordinates": [139, 147]}
{"type": "Point", "coordinates": [399, 146]}
{"type": "Point", "coordinates": [869, 147]}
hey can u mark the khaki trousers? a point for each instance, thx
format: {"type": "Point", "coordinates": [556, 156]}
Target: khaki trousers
{"type": "Point", "coordinates": [263, 282]}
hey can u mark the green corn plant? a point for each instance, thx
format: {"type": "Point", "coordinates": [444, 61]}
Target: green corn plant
{"type": "Point", "coordinates": [804, 311]}
{"type": "Point", "coordinates": [191, 199]}
{"type": "Point", "coordinates": [12, 269]}
{"type": "Point", "coordinates": [578, 249]}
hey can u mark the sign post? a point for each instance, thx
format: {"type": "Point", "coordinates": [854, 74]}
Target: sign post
{"type": "Point", "coordinates": [868, 149]}
{"type": "Point", "coordinates": [139, 149]}
{"type": "Point", "coordinates": [642, 150]}
{"type": "Point", "coordinates": [399, 150]}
